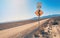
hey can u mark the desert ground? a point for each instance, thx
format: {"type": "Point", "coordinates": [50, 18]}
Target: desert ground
{"type": "Point", "coordinates": [21, 31]}
{"type": "Point", "coordinates": [50, 29]}
{"type": "Point", "coordinates": [14, 24]}
{"type": "Point", "coordinates": [47, 29]}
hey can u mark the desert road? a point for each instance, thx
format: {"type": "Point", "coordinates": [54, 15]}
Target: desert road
{"type": "Point", "coordinates": [21, 31]}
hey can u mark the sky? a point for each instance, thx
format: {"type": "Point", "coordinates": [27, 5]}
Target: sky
{"type": "Point", "coordinates": [17, 10]}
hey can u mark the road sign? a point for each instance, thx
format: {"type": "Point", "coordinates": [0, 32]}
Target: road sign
{"type": "Point", "coordinates": [38, 12]}
{"type": "Point", "coordinates": [38, 5]}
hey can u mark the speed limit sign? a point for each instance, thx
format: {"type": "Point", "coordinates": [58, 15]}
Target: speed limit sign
{"type": "Point", "coordinates": [38, 5]}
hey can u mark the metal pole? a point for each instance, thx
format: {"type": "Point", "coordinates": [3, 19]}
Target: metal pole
{"type": "Point", "coordinates": [39, 20]}
{"type": "Point", "coordinates": [39, 17]}
{"type": "Point", "coordinates": [38, 7]}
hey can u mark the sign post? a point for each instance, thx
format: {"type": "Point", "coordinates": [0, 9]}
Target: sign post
{"type": "Point", "coordinates": [38, 12]}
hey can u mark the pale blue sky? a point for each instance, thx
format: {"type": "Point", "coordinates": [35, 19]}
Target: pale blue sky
{"type": "Point", "coordinates": [13, 10]}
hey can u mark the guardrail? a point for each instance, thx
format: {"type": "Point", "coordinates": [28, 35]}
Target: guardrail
{"type": "Point", "coordinates": [23, 31]}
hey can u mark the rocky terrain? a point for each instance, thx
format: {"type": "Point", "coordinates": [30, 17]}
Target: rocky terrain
{"type": "Point", "coordinates": [50, 29]}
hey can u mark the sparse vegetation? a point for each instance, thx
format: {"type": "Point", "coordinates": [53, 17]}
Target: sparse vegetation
{"type": "Point", "coordinates": [52, 31]}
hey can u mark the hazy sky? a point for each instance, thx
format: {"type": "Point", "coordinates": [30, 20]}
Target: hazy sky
{"type": "Point", "coordinates": [13, 10]}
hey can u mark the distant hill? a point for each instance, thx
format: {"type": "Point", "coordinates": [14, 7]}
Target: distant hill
{"type": "Point", "coordinates": [49, 16]}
